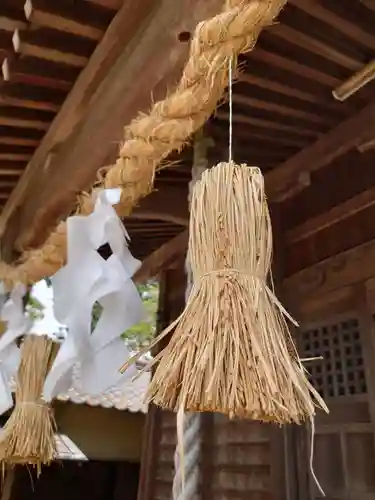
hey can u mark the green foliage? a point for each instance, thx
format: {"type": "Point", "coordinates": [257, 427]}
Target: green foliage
{"type": "Point", "coordinates": [142, 333]}
{"type": "Point", "coordinates": [138, 335]}
{"type": "Point", "coordinates": [34, 308]}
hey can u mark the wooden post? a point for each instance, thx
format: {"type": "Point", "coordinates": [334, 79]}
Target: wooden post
{"type": "Point", "coordinates": [367, 333]}
{"type": "Point", "coordinates": [285, 466]}
{"type": "Point", "coordinates": [153, 421]}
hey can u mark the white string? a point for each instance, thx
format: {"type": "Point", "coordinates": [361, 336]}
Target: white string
{"type": "Point", "coordinates": [321, 491]}
{"type": "Point", "coordinates": [230, 88]}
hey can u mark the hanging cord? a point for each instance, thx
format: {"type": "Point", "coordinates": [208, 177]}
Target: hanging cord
{"type": "Point", "coordinates": [311, 461]}
{"type": "Point", "coordinates": [230, 159]}
{"type": "Point", "coordinates": [186, 458]}
{"type": "Point", "coordinates": [230, 132]}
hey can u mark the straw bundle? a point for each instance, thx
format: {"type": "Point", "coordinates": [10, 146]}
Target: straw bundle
{"type": "Point", "coordinates": [231, 351]}
{"type": "Point", "coordinates": [28, 436]}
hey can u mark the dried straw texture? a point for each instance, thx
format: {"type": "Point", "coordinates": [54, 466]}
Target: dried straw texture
{"type": "Point", "coordinates": [28, 436]}
{"type": "Point", "coordinates": [149, 139]}
{"type": "Point", "coordinates": [231, 350]}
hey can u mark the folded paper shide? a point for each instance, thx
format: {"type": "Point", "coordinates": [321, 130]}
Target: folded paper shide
{"type": "Point", "coordinates": [99, 269]}
{"type": "Point", "coordinates": [17, 324]}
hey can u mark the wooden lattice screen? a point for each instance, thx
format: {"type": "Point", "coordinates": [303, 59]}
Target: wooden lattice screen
{"type": "Point", "coordinates": [341, 372]}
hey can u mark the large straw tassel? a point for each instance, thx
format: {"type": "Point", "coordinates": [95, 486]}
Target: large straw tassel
{"type": "Point", "coordinates": [231, 350]}
{"type": "Point", "coordinates": [29, 434]}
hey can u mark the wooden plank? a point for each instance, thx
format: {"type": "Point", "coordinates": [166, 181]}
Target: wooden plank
{"type": "Point", "coordinates": [268, 124]}
{"type": "Point", "coordinates": [163, 256]}
{"type": "Point", "coordinates": [117, 100]}
{"type": "Point", "coordinates": [39, 72]}
{"type": "Point", "coordinates": [289, 90]}
{"type": "Point", "coordinates": [21, 133]}
{"type": "Point", "coordinates": [150, 449]}
{"type": "Point", "coordinates": [260, 54]}
{"type": "Point", "coordinates": [118, 35]}
{"type": "Point", "coordinates": [23, 122]}
{"type": "Point", "coordinates": [52, 47]}
{"type": "Point", "coordinates": [347, 27]}
{"type": "Point", "coordinates": [315, 46]}
{"type": "Point", "coordinates": [11, 18]}
{"type": "Point", "coordinates": [333, 216]}
{"type": "Point", "coordinates": [367, 333]}
{"type": "Point", "coordinates": [282, 110]}
{"type": "Point", "coordinates": [27, 118]}
{"type": "Point", "coordinates": [14, 157]}
{"type": "Point", "coordinates": [89, 20]}
{"type": "Point", "coordinates": [11, 171]}
{"type": "Point", "coordinates": [7, 184]}
{"type": "Point", "coordinates": [321, 153]}
{"type": "Point", "coordinates": [342, 270]}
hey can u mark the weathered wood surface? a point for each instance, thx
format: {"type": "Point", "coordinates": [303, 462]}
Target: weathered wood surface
{"type": "Point", "coordinates": [154, 59]}
{"type": "Point", "coordinates": [119, 34]}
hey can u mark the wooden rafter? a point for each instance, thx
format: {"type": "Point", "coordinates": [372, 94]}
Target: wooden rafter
{"type": "Point", "coordinates": [336, 214]}
{"type": "Point", "coordinates": [116, 97]}
{"type": "Point", "coordinates": [322, 152]}
{"type": "Point", "coordinates": [52, 46]}
{"type": "Point", "coordinates": [89, 21]}
{"type": "Point", "coordinates": [162, 257]}
{"type": "Point", "coordinates": [11, 18]}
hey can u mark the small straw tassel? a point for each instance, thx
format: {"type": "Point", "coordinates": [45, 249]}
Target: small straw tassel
{"type": "Point", "coordinates": [231, 351]}
{"type": "Point", "coordinates": [28, 436]}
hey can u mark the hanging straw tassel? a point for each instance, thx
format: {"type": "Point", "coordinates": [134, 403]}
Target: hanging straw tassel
{"type": "Point", "coordinates": [231, 351]}
{"type": "Point", "coordinates": [29, 434]}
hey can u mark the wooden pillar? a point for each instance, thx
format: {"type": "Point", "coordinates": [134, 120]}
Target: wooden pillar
{"type": "Point", "coordinates": [171, 303]}
{"type": "Point", "coordinates": [289, 456]}
{"type": "Point", "coordinates": [367, 333]}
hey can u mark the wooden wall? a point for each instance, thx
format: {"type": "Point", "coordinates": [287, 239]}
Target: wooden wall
{"type": "Point", "coordinates": [76, 481]}
{"type": "Point", "coordinates": [329, 287]}
{"type": "Point", "coordinates": [236, 455]}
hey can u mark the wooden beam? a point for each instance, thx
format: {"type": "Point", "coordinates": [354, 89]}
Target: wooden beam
{"type": "Point", "coordinates": [162, 257]}
{"type": "Point", "coordinates": [7, 184]}
{"type": "Point", "coordinates": [11, 171]}
{"type": "Point", "coordinates": [11, 18]}
{"type": "Point", "coordinates": [39, 72]}
{"type": "Point", "coordinates": [117, 100]}
{"type": "Point", "coordinates": [14, 157]}
{"type": "Point", "coordinates": [32, 44]}
{"type": "Point", "coordinates": [31, 97]}
{"type": "Point", "coordinates": [89, 21]}
{"type": "Point", "coordinates": [322, 152]}
{"type": "Point", "coordinates": [119, 34]}
{"type": "Point", "coordinates": [23, 122]}
{"type": "Point", "coordinates": [166, 204]}
{"type": "Point", "coordinates": [18, 141]}
{"type": "Point", "coordinates": [349, 28]}
{"type": "Point", "coordinates": [333, 216]}
{"type": "Point", "coordinates": [23, 117]}
{"type": "Point", "coordinates": [342, 270]}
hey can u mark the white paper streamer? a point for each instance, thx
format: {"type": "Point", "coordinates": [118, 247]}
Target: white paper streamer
{"type": "Point", "coordinates": [18, 324]}
{"type": "Point", "coordinates": [88, 278]}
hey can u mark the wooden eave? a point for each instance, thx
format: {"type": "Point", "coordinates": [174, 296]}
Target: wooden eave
{"type": "Point", "coordinates": [286, 119]}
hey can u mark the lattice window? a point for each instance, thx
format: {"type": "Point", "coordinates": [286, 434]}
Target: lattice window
{"type": "Point", "coordinates": [341, 373]}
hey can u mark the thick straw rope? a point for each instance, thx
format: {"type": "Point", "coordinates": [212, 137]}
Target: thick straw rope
{"type": "Point", "coordinates": [149, 139]}
{"type": "Point", "coordinates": [186, 482]}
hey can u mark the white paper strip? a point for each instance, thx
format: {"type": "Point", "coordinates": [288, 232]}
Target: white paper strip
{"type": "Point", "coordinates": [17, 325]}
{"type": "Point", "coordinates": [88, 278]}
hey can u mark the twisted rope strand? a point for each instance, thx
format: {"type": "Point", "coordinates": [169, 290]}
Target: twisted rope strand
{"type": "Point", "coordinates": [149, 139]}
{"type": "Point", "coordinates": [186, 478]}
